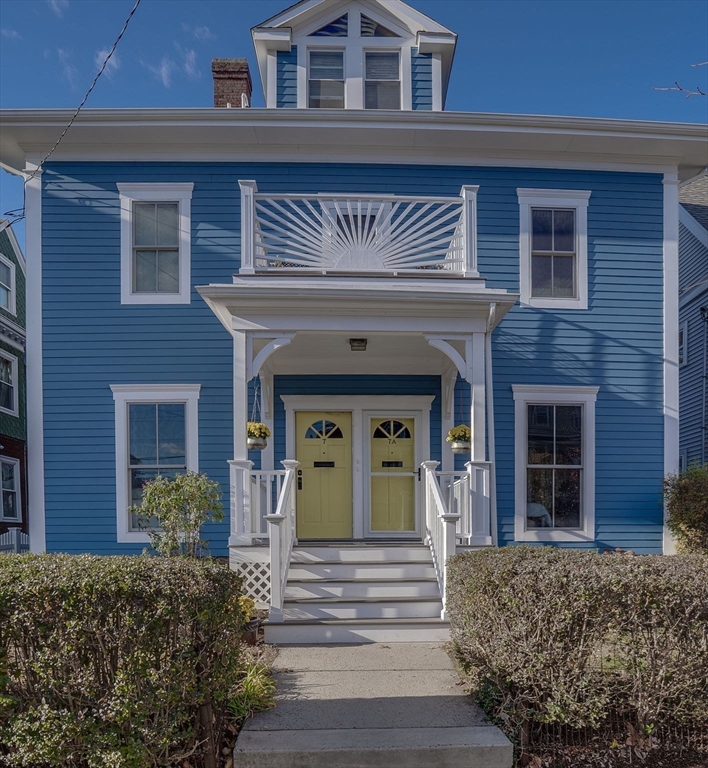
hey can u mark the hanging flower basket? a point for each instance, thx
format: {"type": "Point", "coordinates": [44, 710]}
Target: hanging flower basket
{"type": "Point", "coordinates": [460, 439]}
{"type": "Point", "coordinates": [257, 435]}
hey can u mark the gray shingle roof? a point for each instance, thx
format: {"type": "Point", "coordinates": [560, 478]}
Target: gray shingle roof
{"type": "Point", "coordinates": [694, 198]}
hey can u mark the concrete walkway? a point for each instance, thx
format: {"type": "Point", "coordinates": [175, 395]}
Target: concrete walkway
{"type": "Point", "coordinates": [392, 705]}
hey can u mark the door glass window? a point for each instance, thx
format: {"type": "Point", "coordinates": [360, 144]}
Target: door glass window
{"type": "Point", "coordinates": [323, 429]}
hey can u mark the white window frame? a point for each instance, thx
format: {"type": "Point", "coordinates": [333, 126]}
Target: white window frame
{"type": "Point", "coordinates": [156, 193]}
{"type": "Point", "coordinates": [18, 489]}
{"type": "Point", "coordinates": [15, 410]}
{"type": "Point", "coordinates": [576, 200]}
{"type": "Point", "coordinates": [331, 48]}
{"type": "Point", "coordinates": [532, 394]}
{"type": "Point", "coordinates": [128, 394]}
{"type": "Point", "coordinates": [12, 305]}
{"type": "Point", "coordinates": [683, 329]}
{"type": "Point", "coordinates": [365, 80]}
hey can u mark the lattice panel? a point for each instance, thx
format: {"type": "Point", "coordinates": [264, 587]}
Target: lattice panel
{"type": "Point", "coordinates": [256, 581]}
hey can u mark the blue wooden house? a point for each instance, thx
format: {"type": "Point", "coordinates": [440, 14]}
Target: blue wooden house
{"type": "Point", "coordinates": [362, 271]}
{"type": "Point", "coordinates": [693, 321]}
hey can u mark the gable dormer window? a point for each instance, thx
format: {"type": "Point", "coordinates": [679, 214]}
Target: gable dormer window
{"type": "Point", "coordinates": [383, 80]}
{"type": "Point", "coordinates": [337, 28]}
{"type": "Point", "coordinates": [326, 81]}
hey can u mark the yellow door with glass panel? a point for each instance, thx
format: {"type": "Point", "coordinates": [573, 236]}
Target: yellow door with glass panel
{"type": "Point", "coordinates": [324, 477]}
{"type": "Point", "coordinates": [393, 475]}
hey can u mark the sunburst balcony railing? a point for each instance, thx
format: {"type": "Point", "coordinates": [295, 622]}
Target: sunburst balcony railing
{"type": "Point", "coordinates": [386, 234]}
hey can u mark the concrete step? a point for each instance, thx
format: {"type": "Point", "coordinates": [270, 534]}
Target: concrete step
{"type": "Point", "coordinates": [390, 571]}
{"type": "Point", "coordinates": [309, 632]}
{"type": "Point", "coordinates": [367, 588]}
{"type": "Point", "coordinates": [365, 608]}
{"type": "Point", "coordinates": [457, 747]}
{"type": "Point", "coordinates": [360, 554]}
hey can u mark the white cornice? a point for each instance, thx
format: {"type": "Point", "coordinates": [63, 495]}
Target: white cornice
{"type": "Point", "coordinates": [355, 136]}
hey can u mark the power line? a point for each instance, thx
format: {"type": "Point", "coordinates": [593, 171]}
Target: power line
{"type": "Point", "coordinates": [88, 93]}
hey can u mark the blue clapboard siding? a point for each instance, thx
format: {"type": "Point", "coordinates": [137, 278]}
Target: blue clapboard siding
{"type": "Point", "coordinates": [92, 341]}
{"type": "Point", "coordinates": [422, 79]}
{"type": "Point", "coordinates": [287, 78]}
{"type": "Point", "coordinates": [693, 269]}
{"type": "Point", "coordinates": [357, 385]}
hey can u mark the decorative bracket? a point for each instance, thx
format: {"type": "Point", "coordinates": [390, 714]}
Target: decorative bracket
{"type": "Point", "coordinates": [254, 362]}
{"type": "Point", "coordinates": [462, 364]}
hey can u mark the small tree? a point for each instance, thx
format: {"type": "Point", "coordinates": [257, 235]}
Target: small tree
{"type": "Point", "coordinates": [686, 496]}
{"type": "Point", "coordinates": [173, 511]}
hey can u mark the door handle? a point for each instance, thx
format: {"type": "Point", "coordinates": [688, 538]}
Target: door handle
{"type": "Point", "coordinates": [299, 483]}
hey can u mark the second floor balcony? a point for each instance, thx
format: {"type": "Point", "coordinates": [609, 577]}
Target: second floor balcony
{"type": "Point", "coordinates": [383, 235]}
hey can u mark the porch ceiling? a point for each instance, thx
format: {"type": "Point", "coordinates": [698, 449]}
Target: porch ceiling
{"type": "Point", "coordinates": [330, 353]}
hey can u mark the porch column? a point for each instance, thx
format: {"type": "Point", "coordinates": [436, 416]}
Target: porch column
{"type": "Point", "coordinates": [240, 466]}
{"type": "Point", "coordinates": [475, 359]}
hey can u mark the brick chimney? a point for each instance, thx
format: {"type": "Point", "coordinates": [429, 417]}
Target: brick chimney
{"type": "Point", "coordinates": [232, 83]}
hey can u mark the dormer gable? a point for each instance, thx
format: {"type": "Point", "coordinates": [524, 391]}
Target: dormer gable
{"type": "Point", "coordinates": [354, 54]}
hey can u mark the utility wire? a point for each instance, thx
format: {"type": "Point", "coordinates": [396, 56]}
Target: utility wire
{"type": "Point", "coordinates": [88, 93]}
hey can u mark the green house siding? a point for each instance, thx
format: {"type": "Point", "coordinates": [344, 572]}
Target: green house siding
{"type": "Point", "coordinates": [16, 426]}
{"type": "Point", "coordinates": [8, 252]}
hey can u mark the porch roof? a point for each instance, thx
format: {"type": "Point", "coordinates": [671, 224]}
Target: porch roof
{"type": "Point", "coordinates": [357, 304]}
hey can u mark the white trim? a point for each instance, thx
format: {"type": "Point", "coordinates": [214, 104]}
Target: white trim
{"type": "Point", "coordinates": [553, 198]}
{"type": "Point", "coordinates": [14, 373]}
{"type": "Point", "coordinates": [358, 406]}
{"type": "Point", "coordinates": [671, 326]}
{"type": "Point", "coordinates": [12, 288]}
{"type": "Point", "coordinates": [693, 226]}
{"type": "Point", "coordinates": [33, 359]}
{"type": "Point", "coordinates": [125, 394]}
{"type": "Point", "coordinates": [180, 193]}
{"type": "Point", "coordinates": [532, 393]}
{"type": "Point", "coordinates": [18, 491]}
{"type": "Point", "coordinates": [6, 226]}
{"type": "Point", "coordinates": [437, 82]}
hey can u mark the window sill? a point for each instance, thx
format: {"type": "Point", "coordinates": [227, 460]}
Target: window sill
{"type": "Point", "coordinates": [133, 537]}
{"type": "Point", "coordinates": [549, 535]}
{"type": "Point", "coordinates": [555, 303]}
{"type": "Point", "coordinates": [7, 412]}
{"type": "Point", "coordinates": [156, 298]}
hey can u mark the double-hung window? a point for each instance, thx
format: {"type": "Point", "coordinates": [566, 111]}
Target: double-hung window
{"type": "Point", "coordinates": [326, 79]}
{"type": "Point", "coordinates": [683, 343]}
{"type": "Point", "coordinates": [156, 436]}
{"type": "Point", "coordinates": [8, 384]}
{"type": "Point", "coordinates": [7, 285]}
{"type": "Point", "coordinates": [10, 512]}
{"type": "Point", "coordinates": [155, 243]}
{"type": "Point", "coordinates": [383, 80]}
{"type": "Point", "coordinates": [553, 272]}
{"type": "Point", "coordinates": [555, 460]}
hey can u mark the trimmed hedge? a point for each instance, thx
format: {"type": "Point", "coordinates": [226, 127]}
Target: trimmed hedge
{"type": "Point", "coordinates": [560, 636]}
{"type": "Point", "coordinates": [686, 496]}
{"type": "Point", "coordinates": [117, 662]}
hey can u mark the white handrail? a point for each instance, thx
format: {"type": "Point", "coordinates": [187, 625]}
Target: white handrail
{"type": "Point", "coordinates": [359, 233]}
{"type": "Point", "coordinates": [467, 493]}
{"type": "Point", "coordinates": [281, 530]}
{"type": "Point", "coordinates": [254, 495]}
{"type": "Point", "coordinates": [440, 527]}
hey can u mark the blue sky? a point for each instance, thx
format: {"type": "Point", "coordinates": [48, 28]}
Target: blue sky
{"type": "Point", "coordinates": [596, 58]}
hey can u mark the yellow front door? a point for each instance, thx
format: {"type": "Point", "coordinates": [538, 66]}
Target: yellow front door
{"type": "Point", "coordinates": [393, 474]}
{"type": "Point", "coordinates": [324, 480]}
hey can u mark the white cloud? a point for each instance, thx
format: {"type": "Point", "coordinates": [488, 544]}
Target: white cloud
{"type": "Point", "coordinates": [113, 64]}
{"type": "Point", "coordinates": [70, 72]}
{"type": "Point", "coordinates": [163, 71]}
{"type": "Point", "coordinates": [58, 6]}
{"type": "Point", "coordinates": [190, 63]}
{"type": "Point", "coordinates": [201, 33]}
{"type": "Point", "coordinates": [13, 34]}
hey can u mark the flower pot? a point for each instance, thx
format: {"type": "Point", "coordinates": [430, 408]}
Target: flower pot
{"type": "Point", "coordinates": [250, 632]}
{"type": "Point", "coordinates": [256, 443]}
{"type": "Point", "coordinates": [459, 447]}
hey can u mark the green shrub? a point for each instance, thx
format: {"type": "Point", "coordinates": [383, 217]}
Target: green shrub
{"type": "Point", "coordinates": [686, 496]}
{"type": "Point", "coordinates": [117, 662]}
{"type": "Point", "coordinates": [173, 511]}
{"type": "Point", "coordinates": [560, 636]}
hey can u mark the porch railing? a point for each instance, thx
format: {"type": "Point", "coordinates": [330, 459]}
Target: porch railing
{"type": "Point", "coordinates": [467, 493]}
{"type": "Point", "coordinates": [15, 541]}
{"type": "Point", "coordinates": [281, 530]}
{"type": "Point", "coordinates": [254, 495]}
{"type": "Point", "coordinates": [358, 233]}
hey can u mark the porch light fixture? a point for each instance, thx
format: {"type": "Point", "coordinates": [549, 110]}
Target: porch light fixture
{"type": "Point", "coordinates": [358, 345]}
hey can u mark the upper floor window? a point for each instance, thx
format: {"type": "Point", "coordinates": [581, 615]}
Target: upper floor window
{"type": "Point", "coordinates": [326, 81]}
{"type": "Point", "coordinates": [383, 80]}
{"type": "Point", "coordinates": [553, 271]}
{"type": "Point", "coordinates": [7, 284]}
{"type": "Point", "coordinates": [155, 243]}
{"type": "Point", "coordinates": [372, 28]}
{"type": "Point", "coordinates": [10, 481]}
{"type": "Point", "coordinates": [682, 343]}
{"type": "Point", "coordinates": [337, 28]}
{"type": "Point", "coordinates": [8, 384]}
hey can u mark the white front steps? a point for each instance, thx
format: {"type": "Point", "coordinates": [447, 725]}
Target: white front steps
{"type": "Point", "coordinates": [360, 593]}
